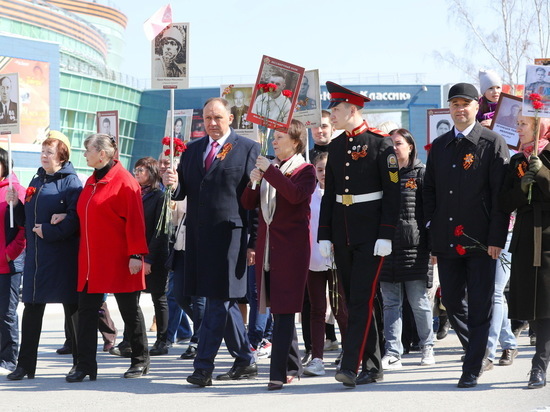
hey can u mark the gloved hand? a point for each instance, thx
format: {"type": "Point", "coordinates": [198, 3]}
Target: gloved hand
{"type": "Point", "coordinates": [325, 247]}
{"type": "Point", "coordinates": [527, 180]}
{"type": "Point", "coordinates": [382, 247]}
{"type": "Point", "coordinates": [535, 164]}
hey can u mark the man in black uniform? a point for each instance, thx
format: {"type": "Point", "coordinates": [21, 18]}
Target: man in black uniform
{"type": "Point", "coordinates": [464, 174]}
{"type": "Point", "coordinates": [359, 213]}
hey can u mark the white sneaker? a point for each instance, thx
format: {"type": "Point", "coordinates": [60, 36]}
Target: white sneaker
{"type": "Point", "coordinates": [428, 357]}
{"type": "Point", "coordinates": [331, 345]}
{"type": "Point", "coordinates": [4, 371]}
{"type": "Point", "coordinates": [315, 367]}
{"type": "Point", "coordinates": [390, 362]}
{"type": "Point", "coordinates": [264, 350]}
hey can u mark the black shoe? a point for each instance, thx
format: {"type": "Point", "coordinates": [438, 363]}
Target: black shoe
{"type": "Point", "coordinates": [159, 348]}
{"type": "Point", "coordinates": [19, 373]}
{"type": "Point", "coordinates": [136, 371]}
{"type": "Point", "coordinates": [73, 370]}
{"type": "Point", "coordinates": [443, 329]}
{"type": "Point", "coordinates": [78, 376]}
{"type": "Point", "coordinates": [306, 358]}
{"type": "Point", "coordinates": [347, 377]}
{"type": "Point", "coordinates": [369, 377]}
{"type": "Point", "coordinates": [467, 380]}
{"type": "Point", "coordinates": [201, 378]}
{"type": "Point", "coordinates": [239, 372]}
{"type": "Point", "coordinates": [537, 379]}
{"type": "Point", "coordinates": [524, 325]}
{"type": "Point", "coordinates": [190, 353]}
{"type": "Point", "coordinates": [122, 349]}
{"type": "Point", "coordinates": [64, 350]}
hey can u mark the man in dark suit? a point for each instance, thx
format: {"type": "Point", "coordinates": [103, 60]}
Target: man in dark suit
{"type": "Point", "coordinates": [212, 174]}
{"type": "Point", "coordinates": [8, 109]}
{"type": "Point", "coordinates": [359, 214]}
{"type": "Point", "coordinates": [464, 174]}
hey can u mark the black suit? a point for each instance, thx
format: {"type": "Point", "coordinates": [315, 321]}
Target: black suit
{"type": "Point", "coordinates": [216, 241]}
{"type": "Point", "coordinates": [461, 186]}
{"type": "Point", "coordinates": [8, 114]}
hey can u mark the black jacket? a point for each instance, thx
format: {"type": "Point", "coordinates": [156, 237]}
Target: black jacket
{"type": "Point", "coordinates": [409, 258]}
{"type": "Point", "coordinates": [156, 281]}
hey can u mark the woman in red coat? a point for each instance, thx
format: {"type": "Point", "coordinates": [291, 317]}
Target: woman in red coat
{"type": "Point", "coordinates": [110, 259]}
{"type": "Point", "coordinates": [283, 249]}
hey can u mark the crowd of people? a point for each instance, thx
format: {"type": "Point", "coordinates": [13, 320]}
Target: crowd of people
{"type": "Point", "coordinates": [358, 215]}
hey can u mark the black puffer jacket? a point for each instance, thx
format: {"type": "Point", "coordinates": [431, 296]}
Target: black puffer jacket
{"type": "Point", "coordinates": [410, 256]}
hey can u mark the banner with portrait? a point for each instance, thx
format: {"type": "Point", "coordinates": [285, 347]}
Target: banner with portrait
{"type": "Point", "coordinates": [504, 121]}
{"type": "Point", "coordinates": [9, 103]}
{"type": "Point", "coordinates": [107, 123]}
{"type": "Point", "coordinates": [182, 124]}
{"type": "Point", "coordinates": [275, 93]}
{"type": "Point", "coordinates": [239, 96]}
{"type": "Point", "coordinates": [170, 58]}
{"type": "Point", "coordinates": [308, 107]}
{"type": "Point", "coordinates": [439, 122]}
{"type": "Point", "coordinates": [537, 80]}
{"type": "Point", "coordinates": [197, 125]}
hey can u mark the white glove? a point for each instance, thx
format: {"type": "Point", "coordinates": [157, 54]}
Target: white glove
{"type": "Point", "coordinates": [325, 247]}
{"type": "Point", "coordinates": [382, 247]}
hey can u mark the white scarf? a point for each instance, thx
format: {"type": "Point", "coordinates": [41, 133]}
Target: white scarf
{"type": "Point", "coordinates": [268, 199]}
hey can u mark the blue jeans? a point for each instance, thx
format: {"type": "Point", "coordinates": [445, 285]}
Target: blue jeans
{"type": "Point", "coordinates": [9, 321]}
{"type": "Point", "coordinates": [500, 328]}
{"type": "Point", "coordinates": [178, 324]}
{"type": "Point", "coordinates": [417, 295]}
{"type": "Point", "coordinates": [259, 324]}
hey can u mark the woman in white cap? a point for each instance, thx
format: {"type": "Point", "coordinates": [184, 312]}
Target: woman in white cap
{"type": "Point", "coordinates": [490, 85]}
{"type": "Point", "coordinates": [51, 228]}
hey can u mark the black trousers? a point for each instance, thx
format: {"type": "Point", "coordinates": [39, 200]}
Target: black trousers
{"type": "Point", "coordinates": [31, 327]}
{"type": "Point", "coordinates": [542, 351]}
{"type": "Point", "coordinates": [473, 276]}
{"type": "Point", "coordinates": [88, 313]}
{"type": "Point", "coordinates": [359, 270]}
{"type": "Point", "coordinates": [285, 355]}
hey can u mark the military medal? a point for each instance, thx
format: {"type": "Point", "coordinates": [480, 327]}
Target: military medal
{"type": "Point", "coordinates": [411, 184]}
{"type": "Point", "coordinates": [522, 168]}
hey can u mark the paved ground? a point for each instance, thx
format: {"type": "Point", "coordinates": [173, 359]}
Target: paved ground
{"type": "Point", "coordinates": [412, 388]}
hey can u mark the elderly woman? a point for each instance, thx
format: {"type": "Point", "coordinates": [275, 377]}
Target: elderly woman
{"type": "Point", "coordinates": [12, 243]}
{"type": "Point", "coordinates": [282, 248]}
{"type": "Point", "coordinates": [51, 227]}
{"type": "Point", "coordinates": [110, 259]}
{"type": "Point", "coordinates": [405, 270]}
{"type": "Point", "coordinates": [527, 191]}
{"type": "Point", "coordinates": [147, 174]}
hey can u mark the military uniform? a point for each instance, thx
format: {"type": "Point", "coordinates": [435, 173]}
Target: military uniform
{"type": "Point", "coordinates": [359, 206]}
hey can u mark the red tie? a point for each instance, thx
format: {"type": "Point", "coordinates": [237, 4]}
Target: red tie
{"type": "Point", "coordinates": [210, 157]}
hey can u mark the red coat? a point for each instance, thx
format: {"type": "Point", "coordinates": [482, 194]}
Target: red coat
{"type": "Point", "coordinates": [112, 228]}
{"type": "Point", "coordinates": [288, 237]}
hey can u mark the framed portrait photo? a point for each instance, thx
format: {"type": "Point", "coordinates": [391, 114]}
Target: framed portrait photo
{"type": "Point", "coordinates": [182, 124]}
{"type": "Point", "coordinates": [505, 119]}
{"type": "Point", "coordinates": [439, 122]}
{"type": "Point", "coordinates": [537, 80]}
{"type": "Point", "coordinates": [275, 93]}
{"type": "Point", "coordinates": [9, 103]}
{"type": "Point", "coordinates": [308, 107]}
{"type": "Point", "coordinates": [170, 57]}
{"type": "Point", "coordinates": [239, 97]}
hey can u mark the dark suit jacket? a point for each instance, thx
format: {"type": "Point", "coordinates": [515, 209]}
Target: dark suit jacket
{"type": "Point", "coordinates": [457, 192]}
{"type": "Point", "coordinates": [216, 230]}
{"type": "Point", "coordinates": [11, 116]}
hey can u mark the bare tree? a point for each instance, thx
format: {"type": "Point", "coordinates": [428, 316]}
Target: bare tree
{"type": "Point", "coordinates": [519, 34]}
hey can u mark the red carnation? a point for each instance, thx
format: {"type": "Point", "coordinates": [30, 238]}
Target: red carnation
{"type": "Point", "coordinates": [167, 152]}
{"type": "Point", "coordinates": [261, 86]}
{"type": "Point", "coordinates": [460, 250]}
{"type": "Point", "coordinates": [428, 147]}
{"type": "Point", "coordinates": [166, 141]}
{"type": "Point", "coordinates": [537, 104]}
{"type": "Point", "coordinates": [535, 97]}
{"type": "Point", "coordinates": [459, 230]}
{"type": "Point", "coordinates": [271, 87]}
{"type": "Point", "coordinates": [287, 93]}
{"type": "Point", "coordinates": [29, 193]}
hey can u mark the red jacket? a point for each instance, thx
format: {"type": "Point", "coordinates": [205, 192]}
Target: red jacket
{"type": "Point", "coordinates": [112, 228]}
{"type": "Point", "coordinates": [15, 246]}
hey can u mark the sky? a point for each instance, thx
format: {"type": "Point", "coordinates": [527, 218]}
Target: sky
{"type": "Point", "coordinates": [387, 42]}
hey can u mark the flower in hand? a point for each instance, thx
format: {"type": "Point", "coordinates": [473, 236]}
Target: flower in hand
{"type": "Point", "coordinates": [262, 163]}
{"type": "Point", "coordinates": [256, 175]}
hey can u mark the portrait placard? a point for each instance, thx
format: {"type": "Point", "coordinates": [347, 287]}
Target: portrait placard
{"type": "Point", "coordinates": [537, 80]}
{"type": "Point", "coordinates": [9, 103]}
{"type": "Point", "coordinates": [170, 58]}
{"type": "Point", "coordinates": [505, 119]}
{"type": "Point", "coordinates": [182, 124]}
{"type": "Point", "coordinates": [197, 125]}
{"type": "Point", "coordinates": [439, 122]}
{"type": "Point", "coordinates": [275, 93]}
{"type": "Point", "coordinates": [107, 123]}
{"type": "Point", "coordinates": [308, 107]}
{"type": "Point", "coordinates": [239, 96]}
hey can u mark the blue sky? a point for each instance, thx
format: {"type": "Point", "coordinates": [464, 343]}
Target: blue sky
{"type": "Point", "coordinates": [228, 38]}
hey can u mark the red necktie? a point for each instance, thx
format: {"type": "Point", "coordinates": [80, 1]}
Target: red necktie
{"type": "Point", "coordinates": [210, 157]}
